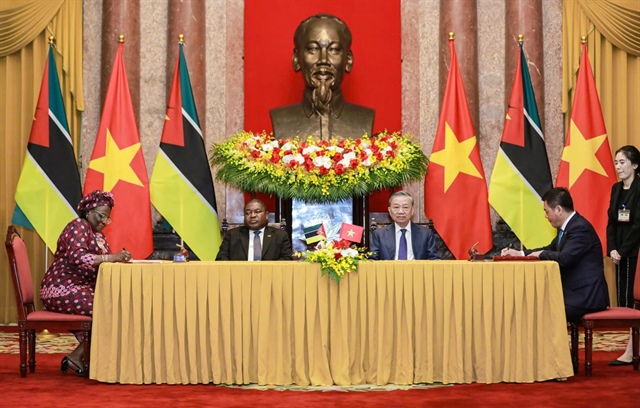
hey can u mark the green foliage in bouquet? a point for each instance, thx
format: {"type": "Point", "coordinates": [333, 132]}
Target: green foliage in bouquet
{"type": "Point", "coordinates": [317, 170]}
{"type": "Point", "coordinates": [336, 258]}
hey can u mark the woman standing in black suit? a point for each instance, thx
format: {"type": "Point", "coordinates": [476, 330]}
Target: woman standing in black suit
{"type": "Point", "coordinates": [623, 230]}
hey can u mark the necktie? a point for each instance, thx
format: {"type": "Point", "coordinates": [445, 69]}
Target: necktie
{"type": "Point", "coordinates": [257, 246]}
{"type": "Point", "coordinates": [402, 248]}
{"type": "Point", "coordinates": [560, 232]}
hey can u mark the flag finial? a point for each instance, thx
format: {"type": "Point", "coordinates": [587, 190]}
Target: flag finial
{"type": "Point", "coordinates": [52, 39]}
{"type": "Point", "coordinates": [181, 38]}
{"type": "Point", "coordinates": [451, 35]}
{"type": "Point", "coordinates": [121, 38]}
{"type": "Point", "coordinates": [583, 39]}
{"type": "Point", "coordinates": [520, 38]}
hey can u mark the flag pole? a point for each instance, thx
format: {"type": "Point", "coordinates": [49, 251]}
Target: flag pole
{"type": "Point", "coordinates": [46, 334]}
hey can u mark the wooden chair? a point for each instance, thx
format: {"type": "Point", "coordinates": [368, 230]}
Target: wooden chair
{"type": "Point", "coordinates": [613, 317]}
{"type": "Point", "coordinates": [29, 319]}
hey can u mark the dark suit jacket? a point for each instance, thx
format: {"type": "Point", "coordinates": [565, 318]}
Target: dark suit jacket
{"type": "Point", "coordinates": [624, 236]}
{"type": "Point", "coordinates": [276, 245]}
{"type": "Point", "coordinates": [383, 243]}
{"type": "Point", "coordinates": [581, 267]}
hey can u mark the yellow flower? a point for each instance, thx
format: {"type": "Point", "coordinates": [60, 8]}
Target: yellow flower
{"type": "Point", "coordinates": [334, 259]}
{"type": "Point", "coordinates": [332, 176]}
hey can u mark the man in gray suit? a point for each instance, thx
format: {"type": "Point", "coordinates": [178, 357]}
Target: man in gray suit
{"type": "Point", "coordinates": [255, 241]}
{"type": "Point", "coordinates": [402, 239]}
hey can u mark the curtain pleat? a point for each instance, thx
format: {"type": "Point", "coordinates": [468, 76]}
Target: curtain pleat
{"type": "Point", "coordinates": [22, 20]}
{"type": "Point", "coordinates": [612, 30]}
{"type": "Point", "coordinates": [618, 20]}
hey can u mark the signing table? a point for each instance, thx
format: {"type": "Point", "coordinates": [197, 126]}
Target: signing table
{"type": "Point", "coordinates": [283, 323]}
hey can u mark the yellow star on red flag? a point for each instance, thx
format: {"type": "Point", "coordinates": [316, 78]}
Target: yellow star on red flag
{"type": "Point", "coordinates": [116, 164]}
{"type": "Point", "coordinates": [580, 154]}
{"type": "Point", "coordinates": [455, 157]}
{"type": "Point", "coordinates": [448, 192]}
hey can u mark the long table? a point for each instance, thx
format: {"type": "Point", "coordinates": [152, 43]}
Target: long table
{"type": "Point", "coordinates": [283, 323]}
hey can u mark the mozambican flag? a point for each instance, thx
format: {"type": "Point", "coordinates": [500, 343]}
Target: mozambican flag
{"type": "Point", "coordinates": [314, 233]}
{"type": "Point", "coordinates": [181, 183]}
{"type": "Point", "coordinates": [48, 190]}
{"type": "Point", "coordinates": [521, 174]}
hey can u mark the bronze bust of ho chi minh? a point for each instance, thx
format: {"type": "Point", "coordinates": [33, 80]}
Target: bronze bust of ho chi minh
{"type": "Point", "coordinates": [323, 53]}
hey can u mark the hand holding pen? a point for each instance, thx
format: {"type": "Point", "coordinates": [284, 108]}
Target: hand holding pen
{"type": "Point", "coordinates": [123, 256]}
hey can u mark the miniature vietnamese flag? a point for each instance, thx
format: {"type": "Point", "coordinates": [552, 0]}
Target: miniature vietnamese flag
{"type": "Point", "coordinates": [351, 232]}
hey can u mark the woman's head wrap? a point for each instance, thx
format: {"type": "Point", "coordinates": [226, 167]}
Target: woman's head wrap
{"type": "Point", "coordinates": [94, 199]}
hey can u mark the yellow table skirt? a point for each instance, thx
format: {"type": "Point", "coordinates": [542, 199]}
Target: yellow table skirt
{"type": "Point", "coordinates": [283, 323]}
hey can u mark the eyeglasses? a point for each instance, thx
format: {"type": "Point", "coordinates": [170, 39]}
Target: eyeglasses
{"type": "Point", "coordinates": [103, 217]}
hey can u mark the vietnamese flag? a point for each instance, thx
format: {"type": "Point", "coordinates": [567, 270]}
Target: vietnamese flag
{"type": "Point", "coordinates": [351, 232]}
{"type": "Point", "coordinates": [455, 188]}
{"type": "Point", "coordinates": [117, 165]}
{"type": "Point", "coordinates": [587, 163]}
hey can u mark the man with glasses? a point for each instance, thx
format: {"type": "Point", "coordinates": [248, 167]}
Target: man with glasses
{"type": "Point", "coordinates": [255, 241]}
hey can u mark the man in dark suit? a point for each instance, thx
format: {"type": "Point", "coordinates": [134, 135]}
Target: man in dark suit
{"type": "Point", "coordinates": [255, 241]}
{"type": "Point", "coordinates": [578, 251]}
{"type": "Point", "coordinates": [402, 239]}
{"type": "Point", "coordinates": [323, 53]}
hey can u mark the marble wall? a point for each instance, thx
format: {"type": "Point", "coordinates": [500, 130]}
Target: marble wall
{"type": "Point", "coordinates": [421, 76]}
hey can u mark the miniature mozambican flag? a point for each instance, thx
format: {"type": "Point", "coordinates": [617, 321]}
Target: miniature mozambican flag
{"type": "Point", "coordinates": [315, 233]}
{"type": "Point", "coordinates": [48, 190]}
{"type": "Point", "coordinates": [351, 232]}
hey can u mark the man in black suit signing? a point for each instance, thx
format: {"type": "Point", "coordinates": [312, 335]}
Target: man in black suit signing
{"type": "Point", "coordinates": [255, 241]}
{"type": "Point", "coordinates": [578, 251]}
{"type": "Point", "coordinates": [402, 240]}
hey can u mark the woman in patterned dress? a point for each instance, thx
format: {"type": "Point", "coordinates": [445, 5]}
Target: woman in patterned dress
{"type": "Point", "coordinates": [69, 283]}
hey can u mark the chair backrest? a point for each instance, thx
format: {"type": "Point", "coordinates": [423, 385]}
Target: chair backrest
{"type": "Point", "coordinates": [20, 272]}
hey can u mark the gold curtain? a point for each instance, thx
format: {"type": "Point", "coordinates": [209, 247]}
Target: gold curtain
{"type": "Point", "coordinates": [25, 26]}
{"type": "Point", "coordinates": [612, 28]}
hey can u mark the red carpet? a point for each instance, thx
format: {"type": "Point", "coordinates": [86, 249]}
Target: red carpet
{"type": "Point", "coordinates": [609, 386]}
